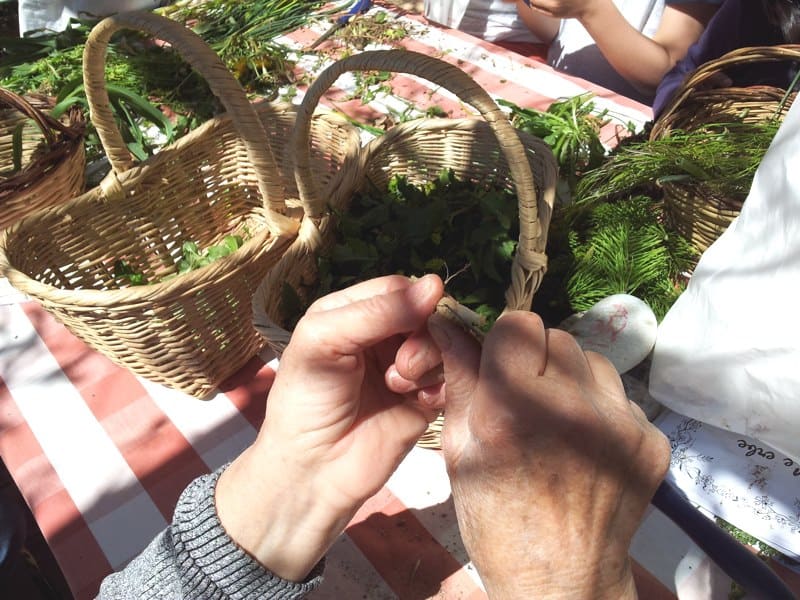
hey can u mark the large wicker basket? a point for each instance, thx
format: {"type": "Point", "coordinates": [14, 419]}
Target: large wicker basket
{"type": "Point", "coordinates": [41, 158]}
{"type": "Point", "coordinates": [228, 177]}
{"type": "Point", "coordinates": [691, 208]}
{"type": "Point", "coordinates": [481, 150]}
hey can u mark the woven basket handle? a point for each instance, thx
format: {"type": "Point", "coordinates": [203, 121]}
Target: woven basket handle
{"type": "Point", "coordinates": [206, 62]}
{"type": "Point", "coordinates": [706, 71]}
{"type": "Point", "coordinates": [530, 254]}
{"type": "Point", "coordinates": [46, 124]}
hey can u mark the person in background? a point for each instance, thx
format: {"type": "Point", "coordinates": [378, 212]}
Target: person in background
{"type": "Point", "coordinates": [547, 458]}
{"type": "Point", "coordinates": [495, 21]}
{"type": "Point", "coordinates": [54, 15]}
{"type": "Point", "coordinates": [739, 24]}
{"type": "Point", "coordinates": [624, 45]}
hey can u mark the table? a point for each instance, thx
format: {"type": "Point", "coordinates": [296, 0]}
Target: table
{"type": "Point", "coordinates": [526, 81]}
{"type": "Point", "coordinates": [101, 455]}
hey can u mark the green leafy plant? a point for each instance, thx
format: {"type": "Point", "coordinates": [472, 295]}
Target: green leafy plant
{"type": "Point", "coordinates": [571, 127]}
{"type": "Point", "coordinates": [465, 232]}
{"type": "Point", "coordinates": [722, 156]}
{"type": "Point", "coordinates": [243, 32]}
{"type": "Point", "coordinates": [370, 84]}
{"type": "Point", "coordinates": [146, 76]}
{"type": "Point", "coordinates": [372, 28]}
{"type": "Point", "coordinates": [131, 109]}
{"type": "Point", "coordinates": [624, 248]}
{"type": "Point", "coordinates": [195, 258]}
{"type": "Point", "coordinates": [133, 82]}
{"type": "Point", "coordinates": [127, 274]}
{"type": "Point", "coordinates": [192, 258]}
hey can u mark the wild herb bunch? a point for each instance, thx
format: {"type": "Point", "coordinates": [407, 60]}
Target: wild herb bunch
{"type": "Point", "coordinates": [466, 233]}
{"type": "Point", "coordinates": [571, 128]}
{"type": "Point", "coordinates": [722, 156]}
{"type": "Point", "coordinates": [242, 33]}
{"type": "Point", "coordinates": [625, 248]}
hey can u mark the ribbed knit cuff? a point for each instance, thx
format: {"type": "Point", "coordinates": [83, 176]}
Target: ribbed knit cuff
{"type": "Point", "coordinates": [210, 562]}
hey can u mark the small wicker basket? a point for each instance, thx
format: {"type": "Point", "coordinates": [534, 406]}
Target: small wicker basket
{"type": "Point", "coordinates": [480, 150]}
{"type": "Point", "coordinates": [42, 160]}
{"type": "Point", "coordinates": [191, 330]}
{"type": "Point", "coordinates": [698, 213]}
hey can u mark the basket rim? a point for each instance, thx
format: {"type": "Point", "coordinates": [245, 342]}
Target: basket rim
{"type": "Point", "coordinates": [688, 88]}
{"type": "Point", "coordinates": [181, 285]}
{"type": "Point", "coordinates": [62, 140]}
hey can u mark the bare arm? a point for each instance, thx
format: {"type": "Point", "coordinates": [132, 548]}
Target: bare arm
{"type": "Point", "coordinates": [542, 25]}
{"type": "Point", "coordinates": [640, 60]}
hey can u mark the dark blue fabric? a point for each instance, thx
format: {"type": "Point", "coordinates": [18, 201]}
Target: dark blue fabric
{"type": "Point", "coordinates": [12, 535]}
{"type": "Point", "coordinates": [736, 24]}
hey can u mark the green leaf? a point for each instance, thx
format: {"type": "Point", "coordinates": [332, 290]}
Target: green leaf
{"type": "Point", "coordinates": [122, 270]}
{"type": "Point", "coordinates": [190, 249]}
{"type": "Point", "coordinates": [65, 104]}
{"type": "Point", "coordinates": [233, 242]}
{"type": "Point", "coordinates": [137, 150]}
{"type": "Point", "coordinates": [141, 106]}
{"type": "Point", "coordinates": [217, 252]}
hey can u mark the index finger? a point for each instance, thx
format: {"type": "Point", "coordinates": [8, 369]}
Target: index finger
{"type": "Point", "coordinates": [360, 291]}
{"type": "Point", "coordinates": [364, 315]}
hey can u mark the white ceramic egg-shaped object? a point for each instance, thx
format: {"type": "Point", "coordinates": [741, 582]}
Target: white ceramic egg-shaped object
{"type": "Point", "coordinates": [620, 327]}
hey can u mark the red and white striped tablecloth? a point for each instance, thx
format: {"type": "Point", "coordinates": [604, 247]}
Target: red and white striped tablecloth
{"type": "Point", "coordinates": [101, 455]}
{"type": "Point", "coordinates": [526, 81]}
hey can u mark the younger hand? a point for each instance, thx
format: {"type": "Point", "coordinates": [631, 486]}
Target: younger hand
{"type": "Point", "coordinates": [334, 431]}
{"type": "Point", "coordinates": [565, 9]}
{"type": "Point", "coordinates": [551, 466]}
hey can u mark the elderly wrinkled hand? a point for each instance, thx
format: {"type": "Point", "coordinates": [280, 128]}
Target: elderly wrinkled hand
{"type": "Point", "coordinates": [551, 466]}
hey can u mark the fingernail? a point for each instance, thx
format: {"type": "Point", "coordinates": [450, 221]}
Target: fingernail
{"type": "Point", "coordinates": [392, 374]}
{"type": "Point", "coordinates": [421, 288]}
{"type": "Point", "coordinates": [432, 396]}
{"type": "Point", "coordinates": [437, 327]}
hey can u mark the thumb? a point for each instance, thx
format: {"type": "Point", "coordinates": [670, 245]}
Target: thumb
{"type": "Point", "coordinates": [461, 356]}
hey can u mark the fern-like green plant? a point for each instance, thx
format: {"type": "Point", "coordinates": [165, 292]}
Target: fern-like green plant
{"type": "Point", "coordinates": [722, 156]}
{"type": "Point", "coordinates": [627, 250]}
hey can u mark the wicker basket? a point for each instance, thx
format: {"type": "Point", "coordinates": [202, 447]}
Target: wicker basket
{"type": "Point", "coordinates": [692, 209]}
{"type": "Point", "coordinates": [476, 149]}
{"type": "Point", "coordinates": [192, 330]}
{"type": "Point", "coordinates": [50, 156]}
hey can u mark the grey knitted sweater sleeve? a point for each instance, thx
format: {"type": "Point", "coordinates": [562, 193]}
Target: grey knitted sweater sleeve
{"type": "Point", "coordinates": [195, 559]}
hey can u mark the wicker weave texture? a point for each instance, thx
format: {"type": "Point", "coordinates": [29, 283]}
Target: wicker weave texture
{"type": "Point", "coordinates": [486, 149]}
{"type": "Point", "coordinates": [50, 154]}
{"type": "Point", "coordinates": [231, 176]}
{"type": "Point", "coordinates": [694, 210]}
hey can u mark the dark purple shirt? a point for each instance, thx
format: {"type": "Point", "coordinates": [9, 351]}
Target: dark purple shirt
{"type": "Point", "coordinates": [737, 24]}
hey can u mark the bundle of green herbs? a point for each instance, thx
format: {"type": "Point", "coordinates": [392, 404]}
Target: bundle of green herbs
{"type": "Point", "coordinates": [623, 247]}
{"type": "Point", "coordinates": [721, 156]}
{"type": "Point", "coordinates": [571, 127]}
{"type": "Point", "coordinates": [464, 232]}
{"type": "Point", "coordinates": [147, 80]}
{"type": "Point", "coordinates": [242, 33]}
